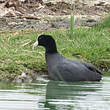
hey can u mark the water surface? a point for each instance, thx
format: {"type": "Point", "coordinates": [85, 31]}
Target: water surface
{"type": "Point", "coordinates": [52, 95]}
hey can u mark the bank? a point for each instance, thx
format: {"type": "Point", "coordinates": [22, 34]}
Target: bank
{"type": "Point", "coordinates": [86, 44]}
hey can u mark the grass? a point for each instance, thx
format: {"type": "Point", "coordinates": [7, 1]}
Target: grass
{"type": "Point", "coordinates": [88, 44]}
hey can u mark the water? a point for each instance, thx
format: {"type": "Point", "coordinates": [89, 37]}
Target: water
{"type": "Point", "coordinates": [52, 95]}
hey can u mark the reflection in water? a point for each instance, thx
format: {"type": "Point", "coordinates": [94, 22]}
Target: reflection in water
{"type": "Point", "coordinates": [56, 95]}
{"type": "Point", "coordinates": [68, 96]}
{"type": "Point", "coordinates": [78, 96]}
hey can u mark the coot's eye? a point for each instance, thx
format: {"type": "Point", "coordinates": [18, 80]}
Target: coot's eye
{"type": "Point", "coordinates": [40, 38]}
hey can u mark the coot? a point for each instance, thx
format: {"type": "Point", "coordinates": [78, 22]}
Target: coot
{"type": "Point", "coordinates": [63, 69]}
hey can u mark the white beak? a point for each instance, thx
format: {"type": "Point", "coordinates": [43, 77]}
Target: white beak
{"type": "Point", "coordinates": [35, 44]}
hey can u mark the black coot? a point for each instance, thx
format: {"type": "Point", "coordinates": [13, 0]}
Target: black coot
{"type": "Point", "coordinates": [62, 69]}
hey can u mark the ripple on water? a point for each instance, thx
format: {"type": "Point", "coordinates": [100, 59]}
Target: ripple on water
{"type": "Point", "coordinates": [55, 95]}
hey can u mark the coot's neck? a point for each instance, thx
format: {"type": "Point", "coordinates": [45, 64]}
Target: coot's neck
{"type": "Point", "coordinates": [51, 48]}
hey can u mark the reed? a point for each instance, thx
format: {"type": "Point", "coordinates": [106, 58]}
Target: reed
{"type": "Point", "coordinates": [72, 19]}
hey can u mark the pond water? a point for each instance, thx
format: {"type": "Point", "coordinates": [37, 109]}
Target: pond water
{"type": "Point", "coordinates": [52, 95]}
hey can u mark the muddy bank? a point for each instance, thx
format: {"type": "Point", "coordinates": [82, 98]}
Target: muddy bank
{"type": "Point", "coordinates": [44, 16]}
{"type": "Point", "coordinates": [50, 15]}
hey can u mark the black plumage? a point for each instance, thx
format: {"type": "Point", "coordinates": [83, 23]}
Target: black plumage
{"type": "Point", "coordinates": [61, 68]}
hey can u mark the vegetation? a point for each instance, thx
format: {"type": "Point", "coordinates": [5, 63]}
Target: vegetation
{"type": "Point", "coordinates": [89, 44]}
{"type": "Point", "coordinates": [72, 20]}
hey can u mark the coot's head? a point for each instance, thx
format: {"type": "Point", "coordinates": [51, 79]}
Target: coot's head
{"type": "Point", "coordinates": [46, 41]}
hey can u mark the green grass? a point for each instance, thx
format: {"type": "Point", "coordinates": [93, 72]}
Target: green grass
{"type": "Point", "coordinates": [88, 44]}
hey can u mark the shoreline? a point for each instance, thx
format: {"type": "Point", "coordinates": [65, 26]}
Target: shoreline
{"type": "Point", "coordinates": [90, 42]}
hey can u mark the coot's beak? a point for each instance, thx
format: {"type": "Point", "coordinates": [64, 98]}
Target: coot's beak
{"type": "Point", "coordinates": [35, 44]}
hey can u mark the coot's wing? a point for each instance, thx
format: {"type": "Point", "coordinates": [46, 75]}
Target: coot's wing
{"type": "Point", "coordinates": [91, 67]}
{"type": "Point", "coordinates": [69, 71]}
{"type": "Point", "coordinates": [77, 71]}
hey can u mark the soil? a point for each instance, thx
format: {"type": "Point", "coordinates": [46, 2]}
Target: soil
{"type": "Point", "coordinates": [47, 15]}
